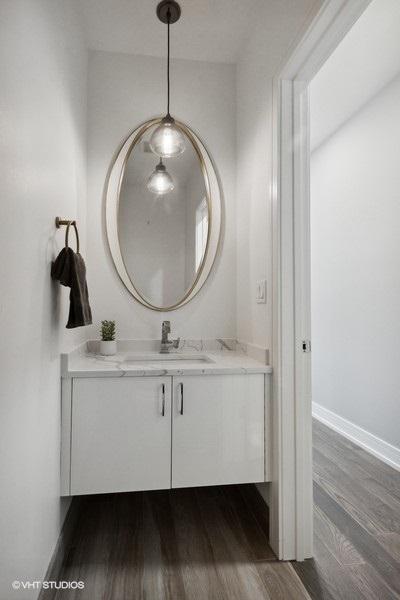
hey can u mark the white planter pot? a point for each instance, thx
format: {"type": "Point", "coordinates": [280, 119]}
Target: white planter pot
{"type": "Point", "coordinates": [108, 348]}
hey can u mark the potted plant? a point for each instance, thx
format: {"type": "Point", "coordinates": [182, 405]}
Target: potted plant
{"type": "Point", "coordinates": [108, 345]}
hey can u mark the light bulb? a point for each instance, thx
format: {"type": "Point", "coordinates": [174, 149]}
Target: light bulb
{"type": "Point", "coordinates": [160, 181]}
{"type": "Point", "coordinates": [167, 140]}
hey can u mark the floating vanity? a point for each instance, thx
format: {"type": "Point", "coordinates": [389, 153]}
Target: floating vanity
{"type": "Point", "coordinates": [141, 420]}
{"type": "Point", "coordinates": [146, 419]}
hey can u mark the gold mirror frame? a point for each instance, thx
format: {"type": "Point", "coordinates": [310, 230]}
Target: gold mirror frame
{"type": "Point", "coordinates": [214, 204]}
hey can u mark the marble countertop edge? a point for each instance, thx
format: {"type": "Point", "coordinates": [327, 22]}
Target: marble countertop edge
{"type": "Point", "coordinates": [149, 372]}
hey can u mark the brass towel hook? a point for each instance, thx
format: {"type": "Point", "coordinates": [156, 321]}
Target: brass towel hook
{"type": "Point", "coordinates": [68, 223]}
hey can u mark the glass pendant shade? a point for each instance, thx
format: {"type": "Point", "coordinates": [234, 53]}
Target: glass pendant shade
{"type": "Point", "coordinates": [167, 140]}
{"type": "Point", "coordinates": [160, 181]}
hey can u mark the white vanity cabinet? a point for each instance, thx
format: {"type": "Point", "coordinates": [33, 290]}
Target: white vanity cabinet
{"type": "Point", "coordinates": [144, 433]}
{"type": "Point", "coordinates": [120, 434]}
{"type": "Point", "coordinates": [218, 430]}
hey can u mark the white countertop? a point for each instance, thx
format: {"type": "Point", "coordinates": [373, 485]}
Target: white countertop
{"type": "Point", "coordinates": [126, 363]}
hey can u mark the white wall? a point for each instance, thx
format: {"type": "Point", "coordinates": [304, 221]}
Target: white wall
{"type": "Point", "coordinates": [355, 212]}
{"type": "Point", "coordinates": [125, 90]}
{"type": "Point", "coordinates": [42, 174]}
{"type": "Point", "coordinates": [276, 26]}
{"type": "Point", "coordinates": [365, 61]}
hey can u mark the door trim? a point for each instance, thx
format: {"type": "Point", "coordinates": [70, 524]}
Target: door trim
{"type": "Point", "coordinates": [291, 489]}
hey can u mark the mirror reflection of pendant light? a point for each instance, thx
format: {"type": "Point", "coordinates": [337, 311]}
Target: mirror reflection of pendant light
{"type": "Point", "coordinates": [160, 181]}
{"type": "Point", "coordinates": [167, 139]}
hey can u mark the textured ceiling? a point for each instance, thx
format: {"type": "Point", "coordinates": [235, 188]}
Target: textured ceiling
{"type": "Point", "coordinates": [209, 30]}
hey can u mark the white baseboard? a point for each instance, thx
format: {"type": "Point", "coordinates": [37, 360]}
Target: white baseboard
{"type": "Point", "coordinates": [369, 442]}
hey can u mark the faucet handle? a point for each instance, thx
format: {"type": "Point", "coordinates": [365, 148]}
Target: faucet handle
{"type": "Point", "coordinates": [176, 343]}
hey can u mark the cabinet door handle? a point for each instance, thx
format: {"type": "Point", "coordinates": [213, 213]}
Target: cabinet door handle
{"type": "Point", "coordinates": [181, 408]}
{"type": "Point", "coordinates": [163, 400]}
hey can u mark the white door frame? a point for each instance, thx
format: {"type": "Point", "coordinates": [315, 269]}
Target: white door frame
{"type": "Point", "coordinates": [291, 489]}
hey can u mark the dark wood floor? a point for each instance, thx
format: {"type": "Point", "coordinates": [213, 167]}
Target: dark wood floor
{"type": "Point", "coordinates": [212, 543]}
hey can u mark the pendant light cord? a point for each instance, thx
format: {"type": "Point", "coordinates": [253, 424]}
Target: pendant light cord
{"type": "Point", "coordinates": [168, 83]}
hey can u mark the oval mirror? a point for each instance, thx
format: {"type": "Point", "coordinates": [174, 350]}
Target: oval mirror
{"type": "Point", "coordinates": [163, 218]}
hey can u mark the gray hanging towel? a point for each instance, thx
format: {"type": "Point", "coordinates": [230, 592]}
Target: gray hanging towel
{"type": "Point", "coordinates": [70, 270]}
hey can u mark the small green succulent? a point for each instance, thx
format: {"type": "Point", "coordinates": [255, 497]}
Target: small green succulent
{"type": "Point", "coordinates": [108, 331]}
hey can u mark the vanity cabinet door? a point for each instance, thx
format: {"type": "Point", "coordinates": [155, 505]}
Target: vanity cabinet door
{"type": "Point", "coordinates": [218, 429]}
{"type": "Point", "coordinates": [121, 434]}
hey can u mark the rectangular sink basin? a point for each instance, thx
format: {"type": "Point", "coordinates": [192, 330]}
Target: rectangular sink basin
{"type": "Point", "coordinates": [168, 358]}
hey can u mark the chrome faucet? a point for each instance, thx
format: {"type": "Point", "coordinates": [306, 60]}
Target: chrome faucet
{"type": "Point", "coordinates": [167, 344]}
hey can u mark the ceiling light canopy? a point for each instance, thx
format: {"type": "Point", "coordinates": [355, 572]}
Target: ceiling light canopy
{"type": "Point", "coordinates": [167, 140]}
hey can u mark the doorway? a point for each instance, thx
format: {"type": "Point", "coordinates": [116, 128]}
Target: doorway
{"type": "Point", "coordinates": [355, 247]}
{"type": "Point", "coordinates": [291, 490]}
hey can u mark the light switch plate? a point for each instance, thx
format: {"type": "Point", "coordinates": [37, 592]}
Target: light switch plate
{"type": "Point", "coordinates": [261, 291]}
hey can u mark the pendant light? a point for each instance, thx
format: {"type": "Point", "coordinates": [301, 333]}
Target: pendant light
{"type": "Point", "coordinates": [160, 181]}
{"type": "Point", "coordinates": [167, 139]}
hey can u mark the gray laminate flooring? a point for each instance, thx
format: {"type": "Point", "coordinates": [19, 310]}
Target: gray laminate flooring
{"type": "Point", "coordinates": [212, 543]}
{"type": "Point", "coordinates": [356, 523]}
